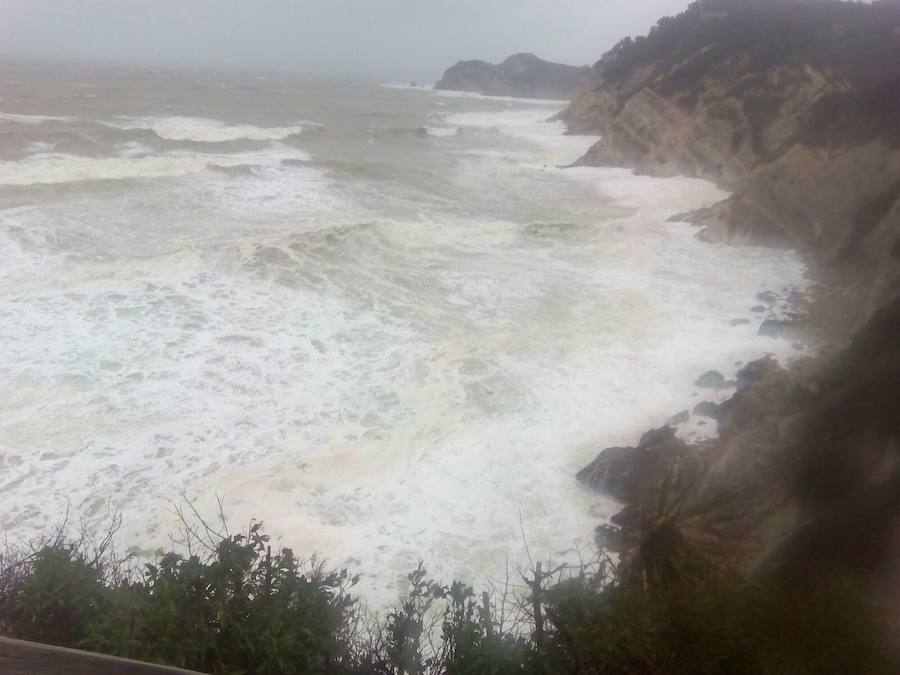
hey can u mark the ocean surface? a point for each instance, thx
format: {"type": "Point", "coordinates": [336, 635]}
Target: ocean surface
{"type": "Point", "coordinates": [381, 319]}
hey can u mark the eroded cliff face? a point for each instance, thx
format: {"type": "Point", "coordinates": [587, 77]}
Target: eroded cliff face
{"type": "Point", "coordinates": [521, 75]}
{"type": "Point", "coordinates": [793, 106]}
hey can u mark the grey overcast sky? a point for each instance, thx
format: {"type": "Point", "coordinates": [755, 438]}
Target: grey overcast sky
{"type": "Point", "coordinates": [381, 38]}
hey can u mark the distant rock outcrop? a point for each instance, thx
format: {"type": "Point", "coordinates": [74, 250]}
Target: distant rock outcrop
{"type": "Point", "coordinates": [521, 75]}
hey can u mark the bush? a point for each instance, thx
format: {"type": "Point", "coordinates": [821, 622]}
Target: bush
{"type": "Point", "coordinates": [238, 607]}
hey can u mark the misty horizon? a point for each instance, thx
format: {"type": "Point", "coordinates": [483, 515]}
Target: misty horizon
{"type": "Point", "coordinates": [396, 39]}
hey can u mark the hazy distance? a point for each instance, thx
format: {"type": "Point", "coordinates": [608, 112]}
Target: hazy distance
{"type": "Point", "coordinates": [378, 38]}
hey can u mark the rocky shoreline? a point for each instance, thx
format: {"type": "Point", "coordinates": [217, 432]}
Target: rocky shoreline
{"type": "Point", "coordinates": [796, 131]}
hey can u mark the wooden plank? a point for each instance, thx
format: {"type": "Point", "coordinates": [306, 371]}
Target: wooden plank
{"type": "Point", "coordinates": [18, 657]}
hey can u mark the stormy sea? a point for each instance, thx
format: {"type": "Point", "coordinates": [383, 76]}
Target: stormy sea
{"type": "Point", "coordinates": [389, 322]}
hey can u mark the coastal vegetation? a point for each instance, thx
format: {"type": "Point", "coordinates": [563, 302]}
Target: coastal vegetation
{"type": "Point", "coordinates": [230, 603]}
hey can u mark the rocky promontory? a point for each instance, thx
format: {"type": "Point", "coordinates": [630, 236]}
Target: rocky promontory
{"type": "Point", "coordinates": [520, 75]}
{"type": "Point", "coordinates": [791, 105]}
{"type": "Point", "coordinates": [794, 107]}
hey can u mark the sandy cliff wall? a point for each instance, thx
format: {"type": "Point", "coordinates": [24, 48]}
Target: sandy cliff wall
{"type": "Point", "coordinates": [795, 108]}
{"type": "Point", "coordinates": [792, 106]}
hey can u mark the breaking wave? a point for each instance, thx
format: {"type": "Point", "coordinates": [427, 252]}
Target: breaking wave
{"type": "Point", "coordinates": [202, 130]}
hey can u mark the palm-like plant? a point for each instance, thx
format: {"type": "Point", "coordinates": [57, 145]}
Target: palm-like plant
{"type": "Point", "coordinates": [684, 539]}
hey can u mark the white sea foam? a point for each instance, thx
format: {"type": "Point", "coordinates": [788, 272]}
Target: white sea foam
{"type": "Point", "coordinates": [203, 130]}
{"type": "Point", "coordinates": [274, 191]}
{"type": "Point", "coordinates": [385, 364]}
{"type": "Point", "coordinates": [450, 93]}
{"type": "Point", "coordinates": [420, 86]}
{"type": "Point", "coordinates": [531, 124]}
{"type": "Point", "coordinates": [49, 168]}
{"type": "Point", "coordinates": [33, 119]}
{"type": "Point", "coordinates": [442, 132]}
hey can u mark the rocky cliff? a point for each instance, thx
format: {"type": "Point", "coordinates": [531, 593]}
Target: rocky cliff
{"type": "Point", "coordinates": [792, 105]}
{"type": "Point", "coordinates": [521, 75]}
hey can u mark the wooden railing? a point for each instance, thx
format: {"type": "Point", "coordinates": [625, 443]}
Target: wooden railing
{"type": "Point", "coordinates": [18, 657]}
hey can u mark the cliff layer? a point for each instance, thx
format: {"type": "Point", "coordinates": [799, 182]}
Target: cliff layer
{"type": "Point", "coordinates": [521, 75]}
{"type": "Point", "coordinates": [793, 106]}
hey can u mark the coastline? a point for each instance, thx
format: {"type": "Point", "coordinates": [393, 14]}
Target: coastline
{"type": "Point", "coordinates": [768, 414]}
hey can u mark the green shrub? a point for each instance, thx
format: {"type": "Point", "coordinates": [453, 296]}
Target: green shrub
{"type": "Point", "coordinates": [240, 608]}
{"type": "Point", "coordinates": [243, 610]}
{"type": "Point", "coordinates": [58, 598]}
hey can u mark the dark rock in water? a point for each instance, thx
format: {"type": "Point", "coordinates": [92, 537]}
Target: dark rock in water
{"type": "Point", "coordinates": [680, 418]}
{"type": "Point", "coordinates": [413, 84]}
{"type": "Point", "coordinates": [683, 217]}
{"type": "Point", "coordinates": [739, 322]}
{"type": "Point", "coordinates": [778, 329]}
{"type": "Point", "coordinates": [610, 470]}
{"type": "Point", "coordinates": [635, 475]}
{"type": "Point", "coordinates": [712, 379]}
{"type": "Point", "coordinates": [656, 437]}
{"type": "Point", "coordinates": [523, 75]}
{"type": "Point", "coordinates": [754, 371]}
{"type": "Point", "coordinates": [767, 297]}
{"type": "Point", "coordinates": [757, 309]}
{"type": "Point", "coordinates": [708, 409]}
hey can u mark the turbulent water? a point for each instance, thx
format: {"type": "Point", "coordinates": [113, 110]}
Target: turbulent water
{"type": "Point", "coordinates": [380, 319]}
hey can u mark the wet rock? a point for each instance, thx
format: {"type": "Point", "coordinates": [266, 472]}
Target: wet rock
{"type": "Point", "coordinates": [739, 322]}
{"type": "Point", "coordinates": [758, 308]}
{"type": "Point", "coordinates": [712, 379]}
{"type": "Point", "coordinates": [680, 418]}
{"type": "Point", "coordinates": [709, 409]}
{"type": "Point", "coordinates": [634, 475]}
{"type": "Point", "coordinates": [777, 329]}
{"type": "Point", "coordinates": [754, 371]}
{"type": "Point", "coordinates": [767, 297]}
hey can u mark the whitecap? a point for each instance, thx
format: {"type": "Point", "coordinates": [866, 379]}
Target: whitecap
{"type": "Point", "coordinates": [34, 119]}
{"type": "Point", "coordinates": [202, 130]}
{"type": "Point", "coordinates": [49, 168]}
{"type": "Point", "coordinates": [441, 132]}
{"type": "Point", "coordinates": [531, 124]}
{"type": "Point", "coordinates": [452, 93]}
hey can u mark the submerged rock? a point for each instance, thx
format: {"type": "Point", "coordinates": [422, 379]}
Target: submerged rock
{"type": "Point", "coordinates": [755, 370]}
{"type": "Point", "coordinates": [709, 409]}
{"type": "Point", "coordinates": [712, 379]}
{"type": "Point", "coordinates": [778, 329]}
{"type": "Point", "coordinates": [680, 418]}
